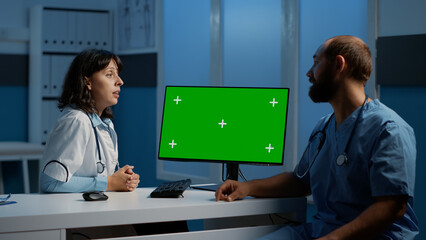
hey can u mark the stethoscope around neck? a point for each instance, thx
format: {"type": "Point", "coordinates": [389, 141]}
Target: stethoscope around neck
{"type": "Point", "coordinates": [320, 137]}
{"type": "Point", "coordinates": [100, 166]}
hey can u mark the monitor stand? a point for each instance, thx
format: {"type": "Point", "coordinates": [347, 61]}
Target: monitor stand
{"type": "Point", "coordinates": [231, 173]}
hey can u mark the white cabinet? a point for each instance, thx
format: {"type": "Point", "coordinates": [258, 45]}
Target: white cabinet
{"type": "Point", "coordinates": [50, 113]}
{"type": "Point", "coordinates": [59, 65]}
{"type": "Point", "coordinates": [45, 73]}
{"type": "Point", "coordinates": [55, 68]}
{"type": "Point", "coordinates": [54, 30]}
{"type": "Point", "coordinates": [57, 36]}
{"type": "Point", "coordinates": [73, 30]}
{"type": "Point", "coordinates": [87, 37]}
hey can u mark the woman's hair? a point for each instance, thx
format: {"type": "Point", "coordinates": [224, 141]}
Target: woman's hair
{"type": "Point", "coordinates": [75, 92]}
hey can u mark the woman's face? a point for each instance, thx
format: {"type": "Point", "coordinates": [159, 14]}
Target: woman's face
{"type": "Point", "coordinates": [104, 86]}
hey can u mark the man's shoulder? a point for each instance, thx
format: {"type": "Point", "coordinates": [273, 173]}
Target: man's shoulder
{"type": "Point", "coordinates": [378, 114]}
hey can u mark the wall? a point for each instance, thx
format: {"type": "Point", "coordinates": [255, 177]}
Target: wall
{"type": "Point", "coordinates": [13, 127]}
{"type": "Point", "coordinates": [320, 20]}
{"type": "Point", "coordinates": [252, 55]}
{"type": "Point", "coordinates": [135, 115]}
{"type": "Point", "coordinates": [409, 102]}
{"type": "Point", "coordinates": [186, 60]}
{"type": "Point", "coordinates": [398, 18]}
{"type": "Point", "coordinates": [315, 19]}
{"type": "Point", "coordinates": [135, 121]}
{"type": "Point", "coordinates": [251, 35]}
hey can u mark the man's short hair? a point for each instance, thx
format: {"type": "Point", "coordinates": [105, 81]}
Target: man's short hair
{"type": "Point", "coordinates": [356, 54]}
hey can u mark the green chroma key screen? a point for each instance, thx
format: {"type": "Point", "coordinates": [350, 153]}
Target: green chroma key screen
{"type": "Point", "coordinates": [224, 124]}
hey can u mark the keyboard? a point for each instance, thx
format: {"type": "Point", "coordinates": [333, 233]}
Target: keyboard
{"type": "Point", "coordinates": [171, 189]}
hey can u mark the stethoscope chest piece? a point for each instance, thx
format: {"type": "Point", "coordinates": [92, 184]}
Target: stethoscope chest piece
{"type": "Point", "coordinates": [100, 167]}
{"type": "Point", "coordinates": [341, 160]}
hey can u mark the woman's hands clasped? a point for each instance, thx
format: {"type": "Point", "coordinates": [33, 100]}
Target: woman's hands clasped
{"type": "Point", "coordinates": [124, 179]}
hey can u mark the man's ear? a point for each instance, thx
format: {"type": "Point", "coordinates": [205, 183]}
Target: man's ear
{"type": "Point", "coordinates": [88, 83]}
{"type": "Point", "coordinates": [340, 63]}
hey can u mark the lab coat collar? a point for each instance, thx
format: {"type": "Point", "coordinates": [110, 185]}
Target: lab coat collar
{"type": "Point", "coordinates": [96, 120]}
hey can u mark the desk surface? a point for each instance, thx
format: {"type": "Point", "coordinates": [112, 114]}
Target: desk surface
{"type": "Point", "coordinates": [59, 211]}
{"type": "Point", "coordinates": [8, 149]}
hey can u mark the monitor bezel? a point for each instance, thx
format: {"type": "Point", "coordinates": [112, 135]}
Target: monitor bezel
{"type": "Point", "coordinates": [222, 161]}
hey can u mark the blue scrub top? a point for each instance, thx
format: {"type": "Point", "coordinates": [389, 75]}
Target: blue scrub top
{"type": "Point", "coordinates": [381, 162]}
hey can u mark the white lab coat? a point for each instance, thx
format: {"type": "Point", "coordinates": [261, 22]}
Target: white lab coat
{"type": "Point", "coordinates": [71, 149]}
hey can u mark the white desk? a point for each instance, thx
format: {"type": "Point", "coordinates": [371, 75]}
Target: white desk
{"type": "Point", "coordinates": [20, 151]}
{"type": "Point", "coordinates": [47, 216]}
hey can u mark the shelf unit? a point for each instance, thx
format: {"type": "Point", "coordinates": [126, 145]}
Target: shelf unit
{"type": "Point", "coordinates": [57, 35]}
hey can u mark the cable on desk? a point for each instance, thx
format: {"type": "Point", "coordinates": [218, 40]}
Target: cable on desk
{"type": "Point", "coordinates": [242, 175]}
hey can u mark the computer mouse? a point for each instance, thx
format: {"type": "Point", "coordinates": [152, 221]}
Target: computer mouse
{"type": "Point", "coordinates": [95, 196]}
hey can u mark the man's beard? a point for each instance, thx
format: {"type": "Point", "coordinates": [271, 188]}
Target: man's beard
{"type": "Point", "coordinates": [323, 89]}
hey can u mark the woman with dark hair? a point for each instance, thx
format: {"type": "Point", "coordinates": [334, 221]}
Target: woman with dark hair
{"type": "Point", "coordinates": [81, 153]}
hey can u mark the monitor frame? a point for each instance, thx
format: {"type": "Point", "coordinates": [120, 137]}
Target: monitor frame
{"type": "Point", "coordinates": [231, 165]}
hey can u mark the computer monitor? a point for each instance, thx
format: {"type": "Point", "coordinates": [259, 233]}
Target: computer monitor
{"type": "Point", "coordinates": [232, 125]}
